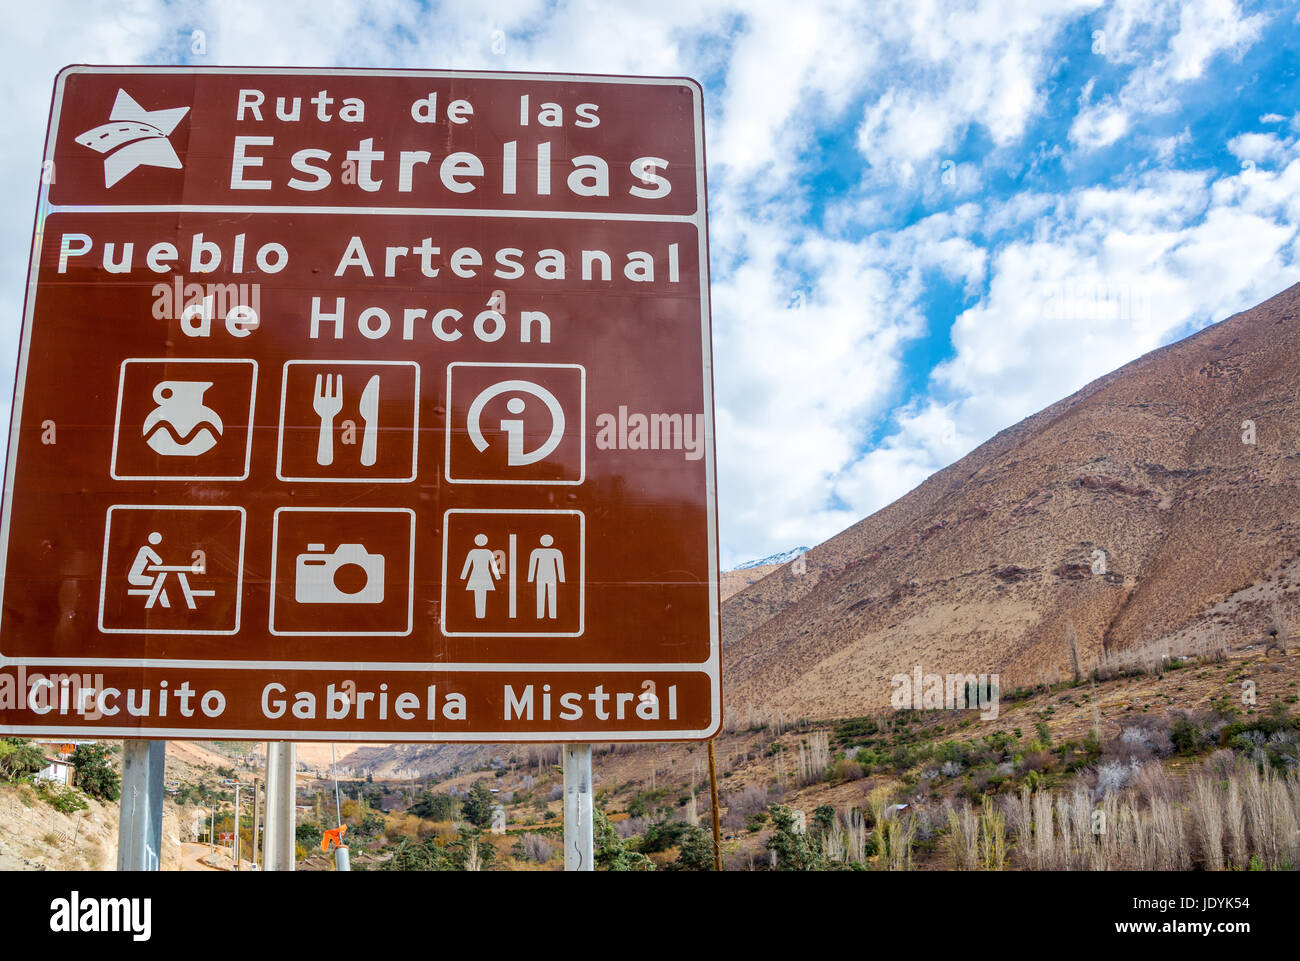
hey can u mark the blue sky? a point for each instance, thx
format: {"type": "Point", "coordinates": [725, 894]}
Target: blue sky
{"type": "Point", "coordinates": [928, 220]}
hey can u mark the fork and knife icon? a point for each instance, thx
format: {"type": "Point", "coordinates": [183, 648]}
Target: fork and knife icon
{"type": "Point", "coordinates": [327, 402]}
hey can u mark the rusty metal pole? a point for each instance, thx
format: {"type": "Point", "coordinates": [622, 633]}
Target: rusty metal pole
{"type": "Point", "coordinates": [717, 830]}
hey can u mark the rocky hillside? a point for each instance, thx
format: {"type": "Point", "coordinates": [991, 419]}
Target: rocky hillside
{"type": "Point", "coordinates": [1142, 510]}
{"type": "Point", "coordinates": [35, 836]}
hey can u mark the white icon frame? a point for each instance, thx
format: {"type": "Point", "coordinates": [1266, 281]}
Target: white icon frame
{"type": "Point", "coordinates": [248, 438]}
{"type": "Point", "coordinates": [582, 426]}
{"type": "Point", "coordinates": [582, 575]}
{"type": "Point", "coordinates": [239, 570]}
{"type": "Point", "coordinates": [415, 423]}
{"type": "Point", "coordinates": [410, 570]}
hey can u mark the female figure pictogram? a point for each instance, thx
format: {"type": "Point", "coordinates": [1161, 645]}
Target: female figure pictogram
{"type": "Point", "coordinates": [481, 570]}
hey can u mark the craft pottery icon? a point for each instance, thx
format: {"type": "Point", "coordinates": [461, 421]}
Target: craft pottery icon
{"type": "Point", "coordinates": [181, 424]}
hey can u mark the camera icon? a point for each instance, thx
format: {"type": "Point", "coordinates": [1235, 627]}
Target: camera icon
{"type": "Point", "coordinates": [317, 577]}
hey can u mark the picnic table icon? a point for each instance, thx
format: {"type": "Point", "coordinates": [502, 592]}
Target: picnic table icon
{"type": "Point", "coordinates": [148, 577]}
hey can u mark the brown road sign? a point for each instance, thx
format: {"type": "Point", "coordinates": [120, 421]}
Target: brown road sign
{"type": "Point", "coordinates": [364, 404]}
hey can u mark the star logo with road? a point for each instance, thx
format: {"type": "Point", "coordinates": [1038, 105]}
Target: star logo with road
{"type": "Point", "coordinates": [134, 137]}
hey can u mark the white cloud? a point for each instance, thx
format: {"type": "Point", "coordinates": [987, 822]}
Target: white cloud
{"type": "Point", "coordinates": [1207, 28]}
{"type": "Point", "coordinates": [1099, 125]}
{"type": "Point", "coordinates": [1167, 147]}
{"type": "Point", "coordinates": [948, 68]}
{"type": "Point", "coordinates": [1257, 147]}
{"type": "Point", "coordinates": [1171, 42]}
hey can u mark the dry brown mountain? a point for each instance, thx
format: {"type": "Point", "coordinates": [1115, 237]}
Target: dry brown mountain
{"type": "Point", "coordinates": [1132, 509]}
{"type": "Point", "coordinates": [732, 582]}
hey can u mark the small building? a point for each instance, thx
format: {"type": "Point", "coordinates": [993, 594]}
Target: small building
{"type": "Point", "coordinates": [56, 771]}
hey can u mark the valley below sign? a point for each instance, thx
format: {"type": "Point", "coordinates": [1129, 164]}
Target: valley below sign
{"type": "Point", "coordinates": [364, 405]}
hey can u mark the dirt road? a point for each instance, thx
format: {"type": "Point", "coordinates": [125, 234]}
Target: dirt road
{"type": "Point", "coordinates": [190, 857]}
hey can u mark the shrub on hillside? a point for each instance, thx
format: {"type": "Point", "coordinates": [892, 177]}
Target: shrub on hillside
{"type": "Point", "coordinates": [662, 835]}
{"type": "Point", "coordinates": [308, 834]}
{"type": "Point", "coordinates": [534, 847]}
{"type": "Point", "coordinates": [742, 804]}
{"type": "Point", "coordinates": [62, 799]}
{"type": "Point", "coordinates": [1112, 776]}
{"type": "Point", "coordinates": [695, 852]}
{"type": "Point", "coordinates": [1037, 761]}
{"type": "Point", "coordinates": [1144, 737]}
{"type": "Point", "coordinates": [794, 851]}
{"type": "Point", "coordinates": [844, 770]}
{"type": "Point", "coordinates": [612, 853]}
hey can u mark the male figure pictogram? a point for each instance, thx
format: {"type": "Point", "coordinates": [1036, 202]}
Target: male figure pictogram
{"type": "Point", "coordinates": [546, 567]}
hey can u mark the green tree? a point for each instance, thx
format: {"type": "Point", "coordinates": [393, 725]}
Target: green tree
{"type": "Point", "coordinates": [478, 805]}
{"type": "Point", "coordinates": [432, 855]}
{"type": "Point", "coordinates": [824, 819]}
{"type": "Point", "coordinates": [612, 852]}
{"type": "Point", "coordinates": [19, 757]}
{"type": "Point", "coordinates": [370, 824]}
{"type": "Point", "coordinates": [409, 855]}
{"type": "Point", "coordinates": [471, 843]}
{"type": "Point", "coordinates": [96, 775]}
{"type": "Point", "coordinates": [662, 835]}
{"type": "Point", "coordinates": [794, 851]}
{"type": "Point", "coordinates": [695, 853]}
{"type": "Point", "coordinates": [1185, 735]}
{"type": "Point", "coordinates": [308, 834]}
{"type": "Point", "coordinates": [435, 807]}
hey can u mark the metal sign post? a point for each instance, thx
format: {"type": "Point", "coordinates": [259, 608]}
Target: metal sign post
{"type": "Point", "coordinates": [139, 834]}
{"type": "Point", "coordinates": [281, 788]}
{"type": "Point", "coordinates": [234, 844]}
{"type": "Point", "coordinates": [256, 816]}
{"type": "Point", "coordinates": [579, 853]}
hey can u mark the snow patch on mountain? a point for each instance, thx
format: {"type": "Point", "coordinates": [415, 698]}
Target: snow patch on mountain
{"type": "Point", "coordinates": [782, 558]}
